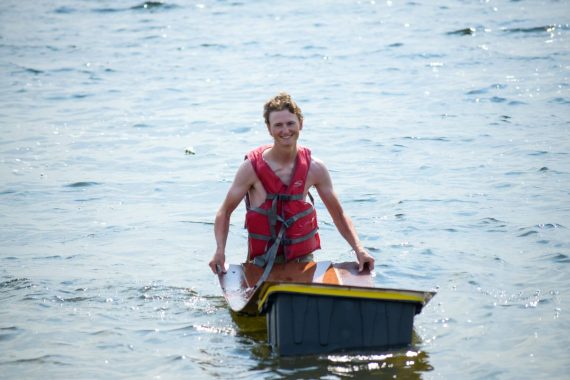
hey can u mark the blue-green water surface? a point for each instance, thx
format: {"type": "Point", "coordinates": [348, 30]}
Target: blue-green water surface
{"type": "Point", "coordinates": [445, 125]}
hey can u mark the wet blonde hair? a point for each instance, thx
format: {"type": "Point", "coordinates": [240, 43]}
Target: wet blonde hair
{"type": "Point", "coordinates": [280, 102]}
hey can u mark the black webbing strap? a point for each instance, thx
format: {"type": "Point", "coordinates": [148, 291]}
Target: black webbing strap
{"type": "Point", "coordinates": [259, 236]}
{"type": "Point", "coordinates": [311, 197]}
{"type": "Point", "coordinates": [289, 222]}
{"type": "Point", "coordinates": [259, 210]}
{"type": "Point", "coordinates": [268, 259]}
{"type": "Point", "coordinates": [285, 197]}
{"type": "Point", "coordinates": [301, 239]}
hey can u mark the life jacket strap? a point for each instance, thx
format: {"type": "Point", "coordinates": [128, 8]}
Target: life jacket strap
{"type": "Point", "coordinates": [258, 210]}
{"type": "Point", "coordinates": [311, 197]}
{"type": "Point", "coordinates": [302, 238]}
{"type": "Point", "coordinates": [268, 259]}
{"type": "Point", "coordinates": [259, 236]}
{"type": "Point", "coordinates": [284, 197]}
{"type": "Point", "coordinates": [288, 223]}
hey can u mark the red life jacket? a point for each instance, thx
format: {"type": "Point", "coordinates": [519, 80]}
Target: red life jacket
{"type": "Point", "coordinates": [283, 204]}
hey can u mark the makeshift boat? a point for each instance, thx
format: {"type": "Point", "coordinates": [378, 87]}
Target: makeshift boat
{"type": "Point", "coordinates": [321, 307]}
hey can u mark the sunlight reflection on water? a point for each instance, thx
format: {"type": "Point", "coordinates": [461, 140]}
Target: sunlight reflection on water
{"type": "Point", "coordinates": [444, 127]}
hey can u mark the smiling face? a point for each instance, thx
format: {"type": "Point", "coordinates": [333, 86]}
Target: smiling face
{"type": "Point", "coordinates": [284, 126]}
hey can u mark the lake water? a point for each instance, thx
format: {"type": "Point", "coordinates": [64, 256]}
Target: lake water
{"type": "Point", "coordinates": [445, 126]}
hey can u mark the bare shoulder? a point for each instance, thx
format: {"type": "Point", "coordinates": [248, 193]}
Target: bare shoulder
{"type": "Point", "coordinates": [317, 164]}
{"type": "Point", "coordinates": [318, 172]}
{"type": "Point", "coordinates": [246, 167]}
{"type": "Point", "coordinates": [245, 173]}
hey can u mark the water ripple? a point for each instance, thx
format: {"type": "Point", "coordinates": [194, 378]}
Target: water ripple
{"type": "Point", "coordinates": [9, 333]}
{"type": "Point", "coordinates": [65, 10]}
{"type": "Point", "coordinates": [418, 138]}
{"type": "Point", "coordinates": [463, 32]}
{"type": "Point", "coordinates": [152, 5]}
{"type": "Point", "coordinates": [15, 284]}
{"type": "Point", "coordinates": [559, 100]}
{"type": "Point", "coordinates": [537, 29]}
{"type": "Point", "coordinates": [43, 360]}
{"type": "Point", "coordinates": [82, 184]}
{"type": "Point", "coordinates": [441, 108]}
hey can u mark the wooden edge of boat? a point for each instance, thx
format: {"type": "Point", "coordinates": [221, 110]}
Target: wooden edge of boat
{"type": "Point", "coordinates": [316, 278]}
